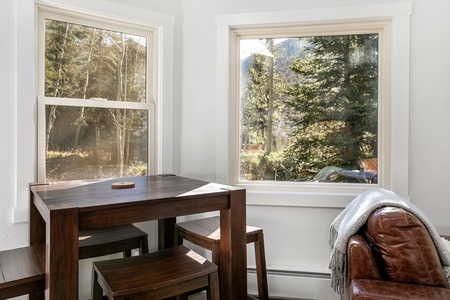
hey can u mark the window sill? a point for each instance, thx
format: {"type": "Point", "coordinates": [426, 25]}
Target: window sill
{"type": "Point", "coordinates": [322, 195]}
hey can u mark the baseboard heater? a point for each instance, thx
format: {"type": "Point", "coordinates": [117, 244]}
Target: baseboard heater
{"type": "Point", "coordinates": [293, 273]}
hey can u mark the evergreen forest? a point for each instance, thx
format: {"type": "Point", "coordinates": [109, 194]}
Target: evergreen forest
{"type": "Point", "coordinates": [309, 109]}
{"type": "Point", "coordinates": [87, 63]}
{"type": "Point", "coordinates": [309, 106]}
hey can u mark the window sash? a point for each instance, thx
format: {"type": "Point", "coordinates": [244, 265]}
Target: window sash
{"type": "Point", "coordinates": [41, 126]}
{"type": "Point", "coordinates": [379, 27]}
{"type": "Point", "coordinates": [151, 82]}
{"type": "Point", "coordinates": [109, 24]}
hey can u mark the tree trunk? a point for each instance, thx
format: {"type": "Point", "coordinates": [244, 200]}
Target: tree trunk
{"type": "Point", "coordinates": [119, 126]}
{"type": "Point", "coordinates": [52, 112]}
{"type": "Point", "coordinates": [270, 100]}
{"type": "Point", "coordinates": [86, 84]}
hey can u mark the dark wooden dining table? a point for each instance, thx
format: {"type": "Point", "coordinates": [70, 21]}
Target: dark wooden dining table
{"type": "Point", "coordinates": [59, 210]}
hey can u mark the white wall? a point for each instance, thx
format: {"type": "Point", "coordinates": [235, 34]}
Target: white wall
{"type": "Point", "coordinates": [11, 234]}
{"type": "Point", "coordinates": [296, 237]}
{"type": "Point", "coordinates": [430, 107]}
{"type": "Point", "coordinates": [17, 97]}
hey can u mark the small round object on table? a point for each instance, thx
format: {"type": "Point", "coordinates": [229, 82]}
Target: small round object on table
{"type": "Point", "coordinates": [122, 185]}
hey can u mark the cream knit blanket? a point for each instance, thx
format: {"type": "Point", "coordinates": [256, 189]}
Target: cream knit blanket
{"type": "Point", "coordinates": [355, 215]}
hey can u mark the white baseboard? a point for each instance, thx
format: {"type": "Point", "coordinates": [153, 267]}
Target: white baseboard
{"type": "Point", "coordinates": [294, 284]}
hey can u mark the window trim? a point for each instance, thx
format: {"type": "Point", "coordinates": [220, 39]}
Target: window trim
{"type": "Point", "coordinates": [380, 27]}
{"type": "Point", "coordinates": [26, 68]}
{"type": "Point", "coordinates": [394, 122]}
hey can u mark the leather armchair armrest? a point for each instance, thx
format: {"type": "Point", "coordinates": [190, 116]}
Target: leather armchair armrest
{"type": "Point", "coordinates": [365, 289]}
{"type": "Point", "coordinates": [361, 264]}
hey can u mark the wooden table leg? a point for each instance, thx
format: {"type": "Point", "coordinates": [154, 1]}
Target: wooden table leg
{"type": "Point", "coordinates": [37, 235]}
{"type": "Point", "coordinates": [37, 224]}
{"type": "Point", "coordinates": [166, 233]}
{"type": "Point", "coordinates": [62, 255]}
{"type": "Point", "coordinates": [233, 248]}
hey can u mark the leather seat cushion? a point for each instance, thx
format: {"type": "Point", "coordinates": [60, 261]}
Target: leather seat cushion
{"type": "Point", "coordinates": [403, 249]}
{"type": "Point", "coordinates": [366, 289]}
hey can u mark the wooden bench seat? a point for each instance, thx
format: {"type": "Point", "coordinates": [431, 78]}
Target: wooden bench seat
{"type": "Point", "coordinates": [206, 233]}
{"type": "Point", "coordinates": [158, 275]}
{"type": "Point", "coordinates": [105, 241]}
{"type": "Point", "coordinates": [22, 271]}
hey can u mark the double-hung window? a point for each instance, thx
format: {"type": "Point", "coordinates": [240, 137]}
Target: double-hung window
{"type": "Point", "coordinates": [96, 93]}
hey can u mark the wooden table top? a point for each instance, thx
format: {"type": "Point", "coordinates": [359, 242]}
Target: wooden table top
{"type": "Point", "coordinates": [85, 194]}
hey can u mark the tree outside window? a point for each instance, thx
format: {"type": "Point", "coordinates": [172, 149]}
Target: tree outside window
{"type": "Point", "coordinates": [95, 96]}
{"type": "Point", "coordinates": [309, 108]}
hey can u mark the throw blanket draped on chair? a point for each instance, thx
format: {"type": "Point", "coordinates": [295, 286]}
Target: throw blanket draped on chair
{"type": "Point", "coordinates": [355, 215]}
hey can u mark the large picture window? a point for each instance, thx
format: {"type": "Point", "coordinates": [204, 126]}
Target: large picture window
{"type": "Point", "coordinates": [309, 107]}
{"type": "Point", "coordinates": [96, 113]}
{"type": "Point", "coordinates": [339, 122]}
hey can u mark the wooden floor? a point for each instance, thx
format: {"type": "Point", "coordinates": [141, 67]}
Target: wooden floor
{"type": "Point", "coordinates": [199, 296]}
{"type": "Point", "coordinates": [202, 296]}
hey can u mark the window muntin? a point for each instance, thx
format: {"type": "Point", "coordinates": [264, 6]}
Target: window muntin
{"type": "Point", "coordinates": [96, 118]}
{"type": "Point", "coordinates": [309, 108]}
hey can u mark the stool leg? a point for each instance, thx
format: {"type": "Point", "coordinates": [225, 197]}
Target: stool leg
{"type": "Point", "coordinates": [37, 296]}
{"type": "Point", "coordinates": [261, 271]}
{"type": "Point", "coordinates": [177, 239]}
{"type": "Point", "coordinates": [215, 258]}
{"type": "Point", "coordinates": [215, 254]}
{"type": "Point", "coordinates": [212, 291]}
{"type": "Point", "coordinates": [144, 246]}
{"type": "Point", "coordinates": [97, 291]}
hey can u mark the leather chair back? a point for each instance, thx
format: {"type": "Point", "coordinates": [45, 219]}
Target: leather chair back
{"type": "Point", "coordinates": [402, 248]}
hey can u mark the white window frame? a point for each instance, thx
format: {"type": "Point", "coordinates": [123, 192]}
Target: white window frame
{"type": "Point", "coordinates": [27, 73]}
{"type": "Point", "coordinates": [150, 33]}
{"type": "Point", "coordinates": [392, 23]}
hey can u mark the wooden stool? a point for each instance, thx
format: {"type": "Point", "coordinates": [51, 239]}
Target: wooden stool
{"type": "Point", "coordinates": [111, 240]}
{"type": "Point", "coordinates": [105, 241]}
{"type": "Point", "coordinates": [158, 275]}
{"type": "Point", "coordinates": [206, 233]}
{"type": "Point", "coordinates": [22, 271]}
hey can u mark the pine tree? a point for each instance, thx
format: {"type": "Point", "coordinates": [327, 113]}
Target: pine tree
{"type": "Point", "coordinates": [260, 110]}
{"type": "Point", "coordinates": [333, 114]}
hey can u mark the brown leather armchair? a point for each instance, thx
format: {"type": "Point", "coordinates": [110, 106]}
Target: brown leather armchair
{"type": "Point", "coordinates": [394, 257]}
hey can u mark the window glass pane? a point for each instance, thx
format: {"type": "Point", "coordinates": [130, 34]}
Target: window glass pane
{"type": "Point", "coordinates": [85, 62]}
{"type": "Point", "coordinates": [88, 143]}
{"type": "Point", "coordinates": [309, 108]}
